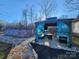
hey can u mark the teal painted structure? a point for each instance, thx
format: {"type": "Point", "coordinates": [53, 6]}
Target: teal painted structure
{"type": "Point", "coordinates": [63, 29]}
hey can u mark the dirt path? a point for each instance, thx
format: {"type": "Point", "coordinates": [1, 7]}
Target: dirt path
{"type": "Point", "coordinates": [22, 51]}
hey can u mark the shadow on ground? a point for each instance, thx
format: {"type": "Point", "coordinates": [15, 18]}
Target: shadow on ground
{"type": "Point", "coordinates": [52, 53]}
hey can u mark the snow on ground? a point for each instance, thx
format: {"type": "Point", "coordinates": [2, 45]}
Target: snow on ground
{"type": "Point", "coordinates": [19, 33]}
{"type": "Point", "coordinates": [15, 36]}
{"type": "Point", "coordinates": [12, 40]}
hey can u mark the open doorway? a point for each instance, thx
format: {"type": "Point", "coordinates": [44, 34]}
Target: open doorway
{"type": "Point", "coordinates": [50, 30]}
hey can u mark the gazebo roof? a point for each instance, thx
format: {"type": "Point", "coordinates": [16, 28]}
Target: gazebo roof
{"type": "Point", "coordinates": [57, 20]}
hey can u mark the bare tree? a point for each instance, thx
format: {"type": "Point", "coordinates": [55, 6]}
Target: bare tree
{"type": "Point", "coordinates": [47, 7]}
{"type": "Point", "coordinates": [31, 15]}
{"type": "Point", "coordinates": [72, 5]}
{"type": "Point", "coordinates": [40, 15]}
{"type": "Point", "coordinates": [25, 16]}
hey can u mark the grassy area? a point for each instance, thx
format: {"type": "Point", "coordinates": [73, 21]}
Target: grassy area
{"type": "Point", "coordinates": [75, 41]}
{"type": "Point", "coordinates": [1, 32]}
{"type": "Point", "coordinates": [2, 53]}
{"type": "Point", "coordinates": [3, 49]}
